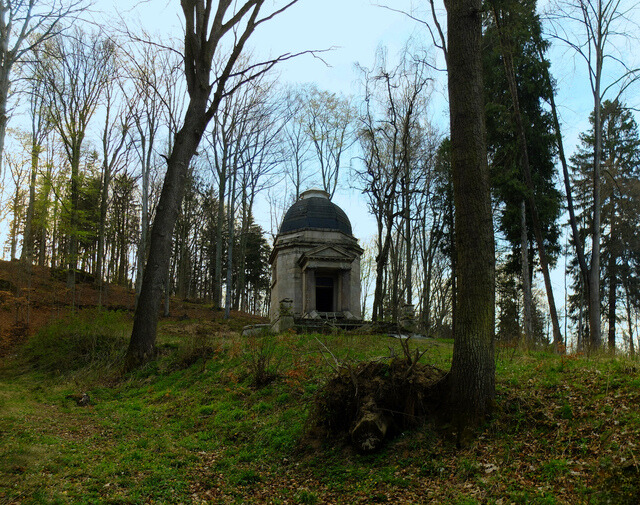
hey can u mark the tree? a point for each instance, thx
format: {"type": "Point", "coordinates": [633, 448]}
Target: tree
{"type": "Point", "coordinates": [25, 25]}
{"type": "Point", "coordinates": [392, 135]}
{"type": "Point", "coordinates": [154, 76]}
{"type": "Point", "coordinates": [598, 23]}
{"type": "Point", "coordinates": [329, 124]}
{"type": "Point", "coordinates": [472, 376]}
{"type": "Point", "coordinates": [620, 190]}
{"type": "Point", "coordinates": [19, 175]}
{"type": "Point", "coordinates": [115, 135]}
{"type": "Point", "coordinates": [75, 74]}
{"type": "Point", "coordinates": [296, 141]}
{"type": "Point", "coordinates": [205, 27]}
{"type": "Point", "coordinates": [522, 149]}
{"type": "Point", "coordinates": [40, 128]}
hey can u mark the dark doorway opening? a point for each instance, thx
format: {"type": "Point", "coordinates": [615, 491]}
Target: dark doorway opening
{"type": "Point", "coordinates": [324, 294]}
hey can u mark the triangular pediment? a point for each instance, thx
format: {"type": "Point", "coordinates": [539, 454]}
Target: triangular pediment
{"type": "Point", "coordinates": [328, 252]}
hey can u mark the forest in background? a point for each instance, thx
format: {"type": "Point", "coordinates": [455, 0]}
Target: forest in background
{"type": "Point", "coordinates": [92, 119]}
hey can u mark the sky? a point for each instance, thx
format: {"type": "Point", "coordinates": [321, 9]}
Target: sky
{"type": "Point", "coordinates": [349, 30]}
{"type": "Point", "coordinates": [353, 30]}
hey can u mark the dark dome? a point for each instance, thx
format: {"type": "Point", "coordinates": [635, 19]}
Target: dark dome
{"type": "Point", "coordinates": [314, 210]}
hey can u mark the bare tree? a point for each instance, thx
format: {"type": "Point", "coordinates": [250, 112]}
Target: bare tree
{"type": "Point", "coordinates": [329, 124]}
{"type": "Point", "coordinates": [115, 136]}
{"type": "Point", "coordinates": [206, 24]}
{"type": "Point", "coordinates": [297, 143]}
{"type": "Point", "coordinates": [156, 109]}
{"type": "Point", "coordinates": [40, 128]}
{"type": "Point", "coordinates": [390, 135]}
{"type": "Point", "coordinates": [590, 28]}
{"type": "Point", "coordinates": [17, 202]}
{"type": "Point", "coordinates": [24, 25]}
{"type": "Point", "coordinates": [260, 158]}
{"type": "Point", "coordinates": [75, 74]}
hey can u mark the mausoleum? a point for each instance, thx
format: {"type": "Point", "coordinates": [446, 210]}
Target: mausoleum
{"type": "Point", "coordinates": [315, 263]}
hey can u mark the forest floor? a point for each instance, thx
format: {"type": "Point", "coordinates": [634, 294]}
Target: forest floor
{"type": "Point", "coordinates": [192, 427]}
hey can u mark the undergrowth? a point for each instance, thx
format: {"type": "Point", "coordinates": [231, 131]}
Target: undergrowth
{"type": "Point", "coordinates": [193, 427]}
{"type": "Point", "coordinates": [88, 339]}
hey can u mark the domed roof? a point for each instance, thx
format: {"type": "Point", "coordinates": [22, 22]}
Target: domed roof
{"type": "Point", "coordinates": [315, 210]}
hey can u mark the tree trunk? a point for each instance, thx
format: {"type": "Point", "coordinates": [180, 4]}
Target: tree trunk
{"type": "Point", "coordinates": [632, 350]}
{"type": "Point", "coordinates": [230, 213]}
{"type": "Point", "coordinates": [381, 261]}
{"type": "Point", "coordinates": [104, 198]}
{"type": "Point", "coordinates": [73, 232]}
{"type": "Point", "coordinates": [217, 279]}
{"type": "Point", "coordinates": [27, 245]}
{"type": "Point", "coordinates": [472, 376]}
{"type": "Point", "coordinates": [370, 429]}
{"type": "Point", "coordinates": [613, 287]}
{"type": "Point", "coordinates": [595, 337]}
{"type": "Point", "coordinates": [143, 337]}
{"type": "Point", "coordinates": [527, 298]}
{"type": "Point", "coordinates": [407, 239]}
{"type": "Point", "coordinates": [144, 214]}
{"type": "Point", "coordinates": [5, 86]}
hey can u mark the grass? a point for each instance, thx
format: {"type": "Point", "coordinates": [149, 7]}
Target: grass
{"type": "Point", "coordinates": [195, 425]}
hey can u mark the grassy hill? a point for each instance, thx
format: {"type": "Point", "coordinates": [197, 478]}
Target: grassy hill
{"type": "Point", "coordinates": [193, 426]}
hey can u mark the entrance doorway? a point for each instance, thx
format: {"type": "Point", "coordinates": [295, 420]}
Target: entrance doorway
{"type": "Point", "coordinates": [324, 294]}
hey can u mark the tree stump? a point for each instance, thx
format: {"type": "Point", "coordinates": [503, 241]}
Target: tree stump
{"type": "Point", "coordinates": [370, 429]}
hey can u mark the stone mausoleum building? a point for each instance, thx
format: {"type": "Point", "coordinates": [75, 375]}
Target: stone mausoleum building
{"type": "Point", "coordinates": [315, 263]}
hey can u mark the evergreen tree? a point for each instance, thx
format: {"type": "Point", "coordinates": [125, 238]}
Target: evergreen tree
{"type": "Point", "coordinates": [620, 207]}
{"type": "Point", "coordinates": [519, 36]}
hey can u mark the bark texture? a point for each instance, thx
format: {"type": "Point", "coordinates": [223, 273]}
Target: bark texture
{"type": "Point", "coordinates": [472, 376]}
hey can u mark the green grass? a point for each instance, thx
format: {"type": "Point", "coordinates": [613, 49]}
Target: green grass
{"type": "Point", "coordinates": [193, 425]}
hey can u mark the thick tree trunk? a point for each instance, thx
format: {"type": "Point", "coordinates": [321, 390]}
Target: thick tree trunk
{"type": "Point", "coordinates": [472, 376]}
{"type": "Point", "coordinates": [143, 337]}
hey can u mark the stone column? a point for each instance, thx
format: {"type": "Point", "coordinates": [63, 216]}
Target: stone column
{"type": "Point", "coordinates": [345, 295]}
{"type": "Point", "coordinates": [309, 291]}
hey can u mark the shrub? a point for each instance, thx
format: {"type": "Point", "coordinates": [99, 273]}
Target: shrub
{"type": "Point", "coordinates": [199, 345]}
{"type": "Point", "coordinates": [96, 338]}
{"type": "Point", "coordinates": [264, 365]}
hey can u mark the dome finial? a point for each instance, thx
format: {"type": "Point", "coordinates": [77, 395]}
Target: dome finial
{"type": "Point", "coordinates": [314, 193]}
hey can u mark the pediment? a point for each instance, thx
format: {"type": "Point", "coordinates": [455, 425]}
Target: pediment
{"type": "Point", "coordinates": [328, 252]}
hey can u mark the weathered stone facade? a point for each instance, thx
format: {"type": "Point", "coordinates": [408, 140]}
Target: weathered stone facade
{"type": "Point", "coordinates": [316, 261]}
